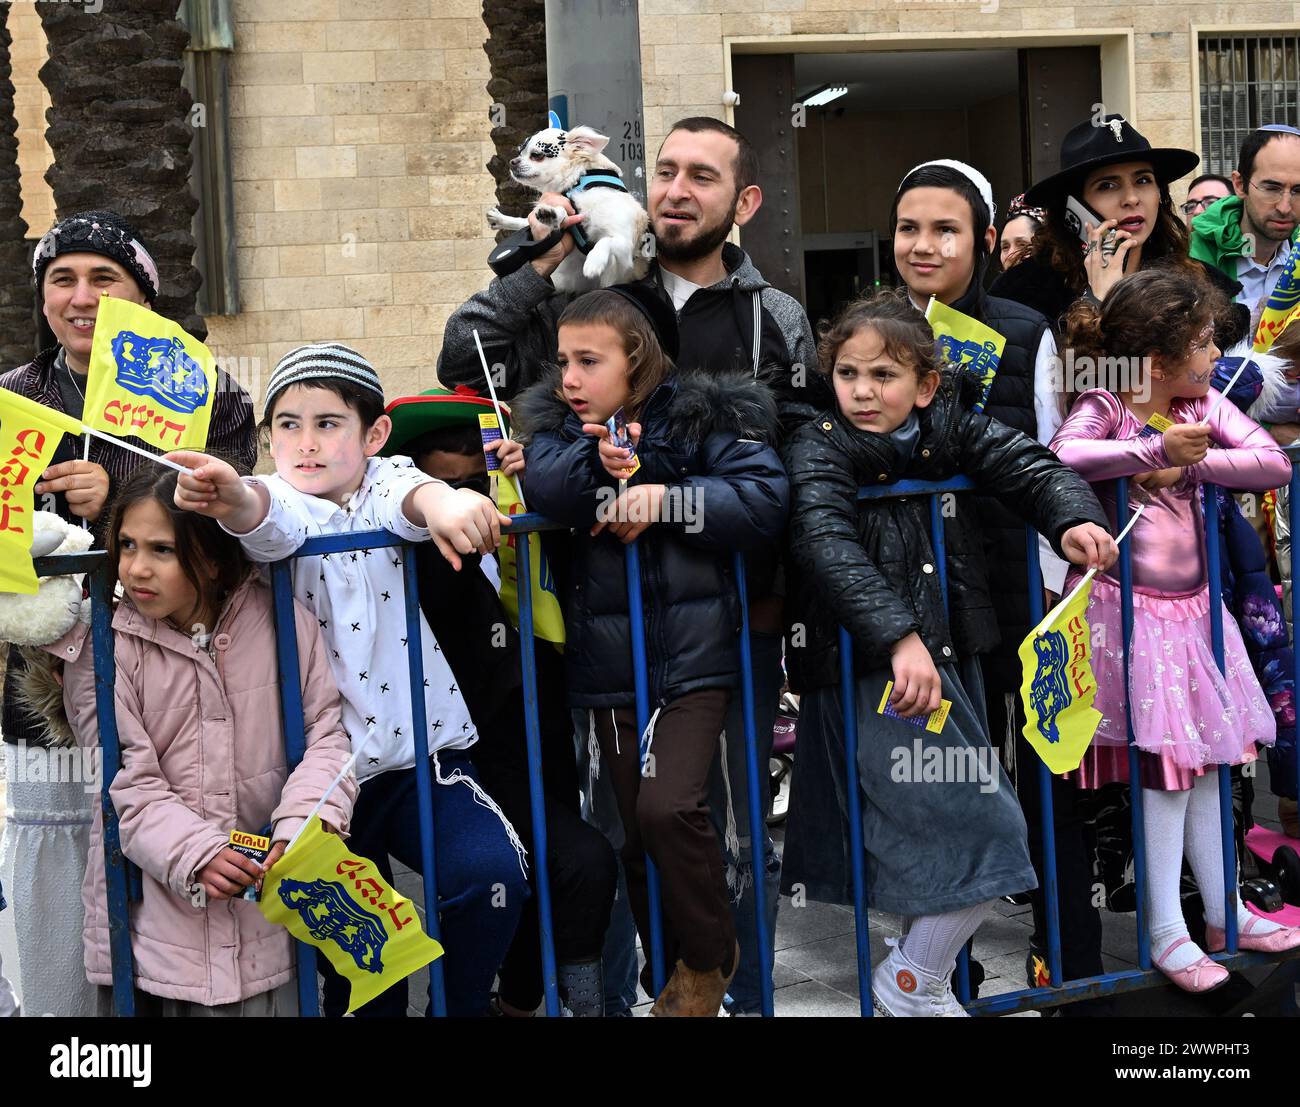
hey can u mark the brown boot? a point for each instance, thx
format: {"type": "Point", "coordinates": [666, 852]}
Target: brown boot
{"type": "Point", "coordinates": [1286, 813]}
{"type": "Point", "coordinates": [691, 994]}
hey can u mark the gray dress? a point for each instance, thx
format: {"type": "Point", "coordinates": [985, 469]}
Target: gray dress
{"type": "Point", "coordinates": [941, 825]}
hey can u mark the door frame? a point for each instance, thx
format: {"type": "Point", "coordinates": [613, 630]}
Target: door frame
{"type": "Point", "coordinates": [1118, 66]}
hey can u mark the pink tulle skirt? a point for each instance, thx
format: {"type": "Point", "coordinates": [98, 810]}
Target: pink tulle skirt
{"type": "Point", "coordinates": [1187, 716]}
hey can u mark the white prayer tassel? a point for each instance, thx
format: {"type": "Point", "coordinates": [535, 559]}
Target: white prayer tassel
{"type": "Point", "coordinates": [736, 883]}
{"type": "Point", "coordinates": [484, 800]}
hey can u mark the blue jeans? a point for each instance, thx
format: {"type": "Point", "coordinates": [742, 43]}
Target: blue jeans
{"type": "Point", "coordinates": [481, 888]}
{"type": "Point", "coordinates": [765, 650]}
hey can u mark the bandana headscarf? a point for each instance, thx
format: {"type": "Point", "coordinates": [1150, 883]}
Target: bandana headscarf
{"type": "Point", "coordinates": [1018, 207]}
{"type": "Point", "coordinates": [98, 232]}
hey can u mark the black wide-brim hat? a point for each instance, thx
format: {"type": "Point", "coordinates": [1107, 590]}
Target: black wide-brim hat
{"type": "Point", "coordinates": [1112, 141]}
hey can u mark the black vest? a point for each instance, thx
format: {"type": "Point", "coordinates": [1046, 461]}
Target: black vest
{"type": "Point", "coordinates": [1010, 401]}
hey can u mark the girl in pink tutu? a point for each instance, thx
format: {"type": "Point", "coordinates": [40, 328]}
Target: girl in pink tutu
{"type": "Point", "coordinates": [1156, 334]}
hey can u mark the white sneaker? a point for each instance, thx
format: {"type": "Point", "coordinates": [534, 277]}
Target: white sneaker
{"type": "Point", "coordinates": [900, 990]}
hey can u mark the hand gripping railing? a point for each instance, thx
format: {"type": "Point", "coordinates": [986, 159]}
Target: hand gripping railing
{"type": "Point", "coordinates": [118, 870]}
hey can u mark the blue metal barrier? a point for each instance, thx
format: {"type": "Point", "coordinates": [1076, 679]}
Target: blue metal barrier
{"type": "Point", "coordinates": [1059, 991]}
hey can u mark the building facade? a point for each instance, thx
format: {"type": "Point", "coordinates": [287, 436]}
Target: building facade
{"type": "Point", "coordinates": [358, 144]}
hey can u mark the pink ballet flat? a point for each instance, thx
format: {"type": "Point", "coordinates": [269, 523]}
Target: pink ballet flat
{"type": "Point", "coordinates": [1202, 975]}
{"type": "Point", "coordinates": [1276, 942]}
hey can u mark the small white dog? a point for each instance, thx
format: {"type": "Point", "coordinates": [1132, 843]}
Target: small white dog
{"type": "Point", "coordinates": [556, 160]}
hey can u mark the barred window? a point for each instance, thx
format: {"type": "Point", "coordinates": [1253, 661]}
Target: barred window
{"type": "Point", "coordinates": [1246, 81]}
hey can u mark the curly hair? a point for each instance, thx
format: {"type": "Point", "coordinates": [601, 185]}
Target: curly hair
{"type": "Point", "coordinates": [904, 331]}
{"type": "Point", "coordinates": [1157, 311]}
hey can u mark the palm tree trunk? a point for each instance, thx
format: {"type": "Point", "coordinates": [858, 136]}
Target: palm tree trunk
{"type": "Point", "coordinates": [119, 128]}
{"type": "Point", "coordinates": [17, 322]}
{"type": "Point", "coordinates": [516, 50]}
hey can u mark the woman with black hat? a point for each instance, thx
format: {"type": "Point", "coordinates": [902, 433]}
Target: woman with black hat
{"type": "Point", "coordinates": [1110, 168]}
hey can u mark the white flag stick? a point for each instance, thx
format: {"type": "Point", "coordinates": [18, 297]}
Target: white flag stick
{"type": "Point", "coordinates": [496, 404]}
{"type": "Point", "coordinates": [85, 456]}
{"type": "Point", "coordinates": [135, 449]}
{"type": "Point", "coordinates": [330, 790]}
{"type": "Point", "coordinates": [1223, 392]}
{"type": "Point", "coordinates": [1137, 513]}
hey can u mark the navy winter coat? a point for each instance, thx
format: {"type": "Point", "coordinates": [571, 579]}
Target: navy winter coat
{"type": "Point", "coordinates": [706, 437]}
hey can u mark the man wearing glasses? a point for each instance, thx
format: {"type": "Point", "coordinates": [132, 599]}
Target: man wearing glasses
{"type": "Point", "coordinates": [1202, 192]}
{"type": "Point", "coordinates": [1245, 235]}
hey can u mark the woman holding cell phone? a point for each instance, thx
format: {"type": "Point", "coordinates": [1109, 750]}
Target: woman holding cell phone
{"type": "Point", "coordinates": [1109, 214]}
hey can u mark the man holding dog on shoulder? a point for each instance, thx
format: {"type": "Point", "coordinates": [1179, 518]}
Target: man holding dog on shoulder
{"type": "Point", "coordinates": [704, 182]}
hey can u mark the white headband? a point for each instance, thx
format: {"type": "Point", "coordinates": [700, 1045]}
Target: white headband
{"type": "Point", "coordinates": [972, 174]}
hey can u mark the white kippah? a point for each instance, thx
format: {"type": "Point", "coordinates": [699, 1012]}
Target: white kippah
{"type": "Point", "coordinates": [322, 361]}
{"type": "Point", "coordinates": [972, 174]}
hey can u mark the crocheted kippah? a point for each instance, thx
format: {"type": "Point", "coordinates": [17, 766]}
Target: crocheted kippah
{"type": "Point", "coordinates": [322, 361]}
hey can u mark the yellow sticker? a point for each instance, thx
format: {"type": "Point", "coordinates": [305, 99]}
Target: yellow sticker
{"type": "Point", "coordinates": [242, 840]}
{"type": "Point", "coordinates": [932, 722]}
{"type": "Point", "coordinates": [1157, 424]}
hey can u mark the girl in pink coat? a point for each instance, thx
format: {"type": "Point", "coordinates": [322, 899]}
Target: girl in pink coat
{"type": "Point", "coordinates": [198, 717]}
{"type": "Point", "coordinates": [1151, 422]}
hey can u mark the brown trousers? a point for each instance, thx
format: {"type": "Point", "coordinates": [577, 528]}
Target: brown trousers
{"type": "Point", "coordinates": [666, 814]}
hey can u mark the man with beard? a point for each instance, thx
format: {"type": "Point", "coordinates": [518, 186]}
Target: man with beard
{"type": "Point", "coordinates": [1246, 235]}
{"type": "Point", "coordinates": [704, 182]}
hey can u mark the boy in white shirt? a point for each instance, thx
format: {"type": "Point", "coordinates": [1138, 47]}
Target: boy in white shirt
{"type": "Point", "coordinates": [325, 415]}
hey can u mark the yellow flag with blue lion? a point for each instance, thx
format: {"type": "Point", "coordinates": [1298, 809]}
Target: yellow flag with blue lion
{"type": "Point", "coordinates": [1059, 686]}
{"type": "Point", "coordinates": [341, 904]}
{"type": "Point", "coordinates": [148, 379]}
{"type": "Point", "coordinates": [968, 343]}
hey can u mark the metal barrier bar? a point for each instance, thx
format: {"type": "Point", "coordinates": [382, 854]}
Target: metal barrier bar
{"type": "Point", "coordinates": [536, 791]}
{"type": "Point", "coordinates": [115, 864]}
{"type": "Point", "coordinates": [757, 811]}
{"type": "Point", "coordinates": [640, 675]}
{"type": "Point", "coordinates": [1046, 799]}
{"type": "Point", "coordinates": [423, 777]}
{"type": "Point", "coordinates": [295, 747]}
{"type": "Point", "coordinates": [1136, 806]}
{"type": "Point", "coordinates": [857, 853]}
{"type": "Point", "coordinates": [1213, 560]}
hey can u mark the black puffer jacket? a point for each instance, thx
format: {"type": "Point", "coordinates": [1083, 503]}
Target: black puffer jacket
{"type": "Point", "coordinates": [870, 566]}
{"type": "Point", "coordinates": [705, 437]}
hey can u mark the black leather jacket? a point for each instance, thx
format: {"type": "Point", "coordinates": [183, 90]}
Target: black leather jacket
{"type": "Point", "coordinates": [870, 566]}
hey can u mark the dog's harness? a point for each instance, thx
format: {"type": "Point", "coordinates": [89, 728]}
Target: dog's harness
{"type": "Point", "coordinates": [585, 182]}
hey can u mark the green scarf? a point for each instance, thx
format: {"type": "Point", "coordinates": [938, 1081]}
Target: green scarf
{"type": "Point", "coordinates": [1216, 238]}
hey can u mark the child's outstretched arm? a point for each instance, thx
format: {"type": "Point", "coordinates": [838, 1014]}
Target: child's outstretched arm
{"type": "Point", "coordinates": [215, 489]}
{"type": "Point", "coordinates": [1033, 483]}
{"type": "Point", "coordinates": [459, 520]}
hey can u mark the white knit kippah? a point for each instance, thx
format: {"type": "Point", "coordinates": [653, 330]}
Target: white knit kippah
{"type": "Point", "coordinates": [322, 361]}
{"type": "Point", "coordinates": [972, 174]}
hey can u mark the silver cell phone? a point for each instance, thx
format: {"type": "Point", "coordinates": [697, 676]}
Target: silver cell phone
{"type": "Point", "coordinates": [1077, 217]}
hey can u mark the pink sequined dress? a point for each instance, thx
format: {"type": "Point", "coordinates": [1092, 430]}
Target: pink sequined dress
{"type": "Point", "coordinates": [1187, 717]}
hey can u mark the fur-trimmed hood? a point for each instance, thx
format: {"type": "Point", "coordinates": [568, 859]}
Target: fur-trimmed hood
{"type": "Point", "coordinates": [1261, 388]}
{"type": "Point", "coordinates": [691, 405]}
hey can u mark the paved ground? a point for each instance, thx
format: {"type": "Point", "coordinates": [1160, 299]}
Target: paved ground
{"type": "Point", "coordinates": [816, 973]}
